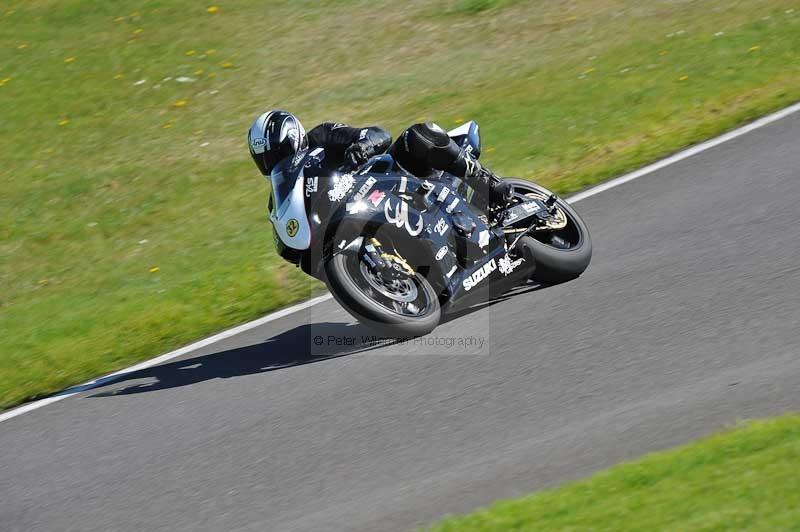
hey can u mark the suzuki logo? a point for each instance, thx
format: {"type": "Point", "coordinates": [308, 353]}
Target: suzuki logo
{"type": "Point", "coordinates": [479, 275]}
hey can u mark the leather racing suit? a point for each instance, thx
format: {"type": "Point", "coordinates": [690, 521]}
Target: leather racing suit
{"type": "Point", "coordinates": [423, 150]}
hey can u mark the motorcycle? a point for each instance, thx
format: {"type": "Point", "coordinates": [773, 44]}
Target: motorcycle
{"type": "Point", "coordinates": [397, 251]}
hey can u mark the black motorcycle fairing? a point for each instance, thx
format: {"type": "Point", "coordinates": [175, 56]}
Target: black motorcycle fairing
{"type": "Point", "coordinates": [395, 210]}
{"type": "Point", "coordinates": [422, 221]}
{"type": "Point", "coordinates": [495, 274]}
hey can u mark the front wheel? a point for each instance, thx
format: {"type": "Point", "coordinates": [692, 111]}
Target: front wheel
{"type": "Point", "coordinates": [561, 254]}
{"type": "Point", "coordinates": [398, 308]}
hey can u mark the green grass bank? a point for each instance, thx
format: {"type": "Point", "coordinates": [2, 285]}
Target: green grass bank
{"type": "Point", "coordinates": [132, 221]}
{"type": "Point", "coordinates": [743, 479]}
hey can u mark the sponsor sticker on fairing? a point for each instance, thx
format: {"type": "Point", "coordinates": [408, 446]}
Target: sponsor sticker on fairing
{"type": "Point", "coordinates": [354, 207]}
{"type": "Point", "coordinates": [341, 188]}
{"type": "Point", "coordinates": [531, 207]}
{"type": "Point", "coordinates": [506, 265]}
{"type": "Point", "coordinates": [364, 189]}
{"type": "Point", "coordinates": [452, 206]}
{"type": "Point", "coordinates": [403, 184]}
{"type": "Point", "coordinates": [483, 238]}
{"type": "Point", "coordinates": [441, 253]}
{"type": "Point", "coordinates": [292, 226]}
{"type": "Point", "coordinates": [376, 197]}
{"type": "Point", "coordinates": [311, 185]}
{"type": "Point", "coordinates": [429, 187]}
{"type": "Point", "coordinates": [441, 227]}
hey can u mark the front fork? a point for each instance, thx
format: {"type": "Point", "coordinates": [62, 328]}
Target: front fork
{"type": "Point", "coordinates": [379, 262]}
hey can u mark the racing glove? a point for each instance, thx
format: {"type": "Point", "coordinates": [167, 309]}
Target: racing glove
{"type": "Point", "coordinates": [500, 192]}
{"type": "Point", "coordinates": [357, 154]}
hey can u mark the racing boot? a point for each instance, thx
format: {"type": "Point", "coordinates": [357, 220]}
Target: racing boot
{"type": "Point", "coordinates": [497, 193]}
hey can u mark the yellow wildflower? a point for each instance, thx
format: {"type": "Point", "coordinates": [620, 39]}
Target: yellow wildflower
{"type": "Point", "coordinates": [22, 46]}
{"type": "Point", "coordinates": [44, 282]}
{"type": "Point", "coordinates": [154, 269]}
{"type": "Point", "coordinates": [190, 52]}
{"type": "Point", "coordinates": [588, 70]}
{"type": "Point", "coordinates": [198, 72]}
{"type": "Point", "coordinates": [119, 19]}
{"type": "Point", "coordinates": [167, 125]}
{"type": "Point", "coordinates": [180, 103]}
{"type": "Point", "coordinates": [70, 59]}
{"type": "Point", "coordinates": [212, 51]}
{"type": "Point", "coordinates": [754, 48]}
{"type": "Point", "coordinates": [4, 81]}
{"type": "Point", "coordinates": [137, 31]}
{"type": "Point", "coordinates": [212, 9]}
{"type": "Point", "coordinates": [683, 78]}
{"type": "Point", "coordinates": [63, 122]}
{"type": "Point", "coordinates": [226, 64]}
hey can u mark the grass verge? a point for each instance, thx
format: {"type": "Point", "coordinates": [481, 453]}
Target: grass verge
{"type": "Point", "coordinates": [743, 479]}
{"type": "Point", "coordinates": [131, 220]}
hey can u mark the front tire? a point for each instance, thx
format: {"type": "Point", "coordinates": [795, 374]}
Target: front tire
{"type": "Point", "coordinates": [561, 255]}
{"type": "Point", "coordinates": [404, 310]}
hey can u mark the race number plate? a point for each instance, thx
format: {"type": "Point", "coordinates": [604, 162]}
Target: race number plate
{"type": "Point", "coordinates": [523, 211]}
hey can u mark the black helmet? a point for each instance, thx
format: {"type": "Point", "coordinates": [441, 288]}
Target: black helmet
{"type": "Point", "coordinates": [274, 136]}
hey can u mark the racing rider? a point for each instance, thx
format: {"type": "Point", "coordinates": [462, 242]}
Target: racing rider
{"type": "Point", "coordinates": [424, 150]}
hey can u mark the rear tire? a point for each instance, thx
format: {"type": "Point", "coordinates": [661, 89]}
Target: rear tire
{"type": "Point", "coordinates": [342, 277]}
{"type": "Point", "coordinates": [554, 264]}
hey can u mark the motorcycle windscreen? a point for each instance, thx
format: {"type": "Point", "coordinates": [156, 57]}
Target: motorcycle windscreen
{"type": "Point", "coordinates": [288, 214]}
{"type": "Point", "coordinates": [282, 184]}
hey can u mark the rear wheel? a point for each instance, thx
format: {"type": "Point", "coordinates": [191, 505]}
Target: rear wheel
{"type": "Point", "coordinates": [398, 307]}
{"type": "Point", "coordinates": [563, 253]}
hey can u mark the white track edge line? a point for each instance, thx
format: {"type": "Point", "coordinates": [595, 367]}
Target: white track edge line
{"type": "Point", "coordinates": [685, 154]}
{"type": "Point", "coordinates": [597, 189]}
{"type": "Point", "coordinates": [163, 358]}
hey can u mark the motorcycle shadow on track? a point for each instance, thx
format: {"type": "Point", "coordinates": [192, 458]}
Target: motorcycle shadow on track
{"type": "Point", "coordinates": [295, 347]}
{"type": "Point", "coordinates": [304, 344]}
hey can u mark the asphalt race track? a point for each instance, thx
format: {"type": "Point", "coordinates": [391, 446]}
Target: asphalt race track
{"type": "Point", "coordinates": [686, 321]}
